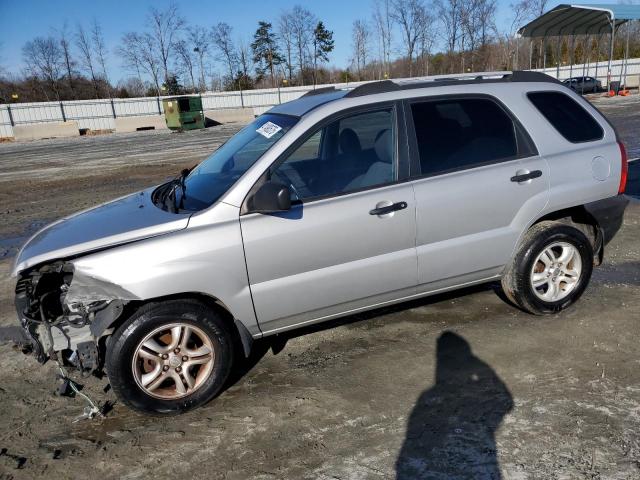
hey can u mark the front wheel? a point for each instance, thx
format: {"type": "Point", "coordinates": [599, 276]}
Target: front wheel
{"type": "Point", "coordinates": [169, 357]}
{"type": "Point", "coordinates": [550, 270]}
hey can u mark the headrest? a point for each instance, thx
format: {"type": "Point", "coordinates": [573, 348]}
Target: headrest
{"type": "Point", "coordinates": [384, 146]}
{"type": "Point", "coordinates": [349, 141]}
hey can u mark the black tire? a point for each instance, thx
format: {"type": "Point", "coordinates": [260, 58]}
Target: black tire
{"type": "Point", "coordinates": [122, 346]}
{"type": "Point", "coordinates": [516, 281]}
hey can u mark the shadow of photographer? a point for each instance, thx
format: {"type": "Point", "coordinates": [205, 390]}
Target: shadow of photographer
{"type": "Point", "coordinates": [451, 430]}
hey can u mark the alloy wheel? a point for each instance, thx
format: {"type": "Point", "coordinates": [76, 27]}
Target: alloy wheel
{"type": "Point", "coordinates": [556, 271]}
{"type": "Point", "coordinates": [173, 361]}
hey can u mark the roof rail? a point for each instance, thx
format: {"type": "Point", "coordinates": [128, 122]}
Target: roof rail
{"type": "Point", "coordinates": [318, 91]}
{"type": "Point", "coordinates": [383, 86]}
{"type": "Point", "coordinates": [386, 86]}
{"type": "Point", "coordinates": [529, 76]}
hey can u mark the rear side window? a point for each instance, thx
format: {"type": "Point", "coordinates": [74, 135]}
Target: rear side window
{"type": "Point", "coordinates": [462, 133]}
{"type": "Point", "coordinates": [571, 120]}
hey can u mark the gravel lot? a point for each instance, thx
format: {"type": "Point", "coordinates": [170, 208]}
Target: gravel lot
{"type": "Point", "coordinates": [443, 383]}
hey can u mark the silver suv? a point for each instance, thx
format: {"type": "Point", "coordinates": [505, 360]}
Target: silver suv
{"type": "Point", "coordinates": [338, 202]}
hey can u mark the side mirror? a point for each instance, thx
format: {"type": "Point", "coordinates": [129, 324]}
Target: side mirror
{"type": "Point", "coordinates": [271, 197]}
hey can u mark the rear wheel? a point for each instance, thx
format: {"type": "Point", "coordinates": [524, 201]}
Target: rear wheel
{"type": "Point", "coordinates": [169, 357]}
{"type": "Point", "coordinates": [551, 268]}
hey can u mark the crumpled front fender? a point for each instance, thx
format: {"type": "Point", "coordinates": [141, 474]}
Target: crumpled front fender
{"type": "Point", "coordinates": [87, 288]}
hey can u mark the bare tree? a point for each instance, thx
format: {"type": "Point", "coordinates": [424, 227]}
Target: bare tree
{"type": "Point", "coordinates": [150, 61]}
{"type": "Point", "coordinates": [286, 36]}
{"type": "Point", "coordinates": [139, 54]}
{"type": "Point", "coordinates": [87, 61]}
{"type": "Point", "coordinates": [69, 62]}
{"type": "Point", "coordinates": [44, 60]}
{"type": "Point", "coordinates": [129, 52]}
{"type": "Point", "coordinates": [383, 22]}
{"type": "Point", "coordinates": [426, 42]}
{"type": "Point", "coordinates": [449, 13]}
{"type": "Point", "coordinates": [471, 19]}
{"type": "Point", "coordinates": [166, 25]}
{"type": "Point", "coordinates": [411, 16]}
{"type": "Point", "coordinates": [303, 23]}
{"type": "Point", "coordinates": [99, 49]}
{"type": "Point", "coordinates": [223, 42]}
{"type": "Point", "coordinates": [486, 13]}
{"type": "Point", "coordinates": [244, 58]}
{"type": "Point", "coordinates": [215, 80]}
{"type": "Point", "coordinates": [537, 7]}
{"type": "Point", "coordinates": [360, 38]}
{"type": "Point", "coordinates": [507, 42]}
{"type": "Point", "coordinates": [133, 86]}
{"type": "Point", "coordinates": [2, 68]}
{"type": "Point", "coordinates": [199, 39]}
{"type": "Point", "coordinates": [532, 9]}
{"type": "Point", "coordinates": [186, 59]}
{"type": "Point", "coordinates": [486, 18]}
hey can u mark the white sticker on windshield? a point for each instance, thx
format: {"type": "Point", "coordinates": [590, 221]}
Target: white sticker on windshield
{"type": "Point", "coordinates": [269, 129]}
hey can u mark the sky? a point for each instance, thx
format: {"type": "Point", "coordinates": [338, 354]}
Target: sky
{"type": "Point", "coordinates": [22, 20]}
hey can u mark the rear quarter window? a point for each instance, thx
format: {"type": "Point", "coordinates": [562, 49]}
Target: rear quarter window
{"type": "Point", "coordinates": [570, 119]}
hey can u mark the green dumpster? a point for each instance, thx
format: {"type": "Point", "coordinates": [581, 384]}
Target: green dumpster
{"type": "Point", "coordinates": [183, 113]}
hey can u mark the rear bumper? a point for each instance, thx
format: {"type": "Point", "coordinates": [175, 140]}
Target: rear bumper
{"type": "Point", "coordinates": [609, 214]}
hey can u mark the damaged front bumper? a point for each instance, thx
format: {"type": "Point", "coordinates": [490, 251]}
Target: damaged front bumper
{"type": "Point", "coordinates": [65, 312]}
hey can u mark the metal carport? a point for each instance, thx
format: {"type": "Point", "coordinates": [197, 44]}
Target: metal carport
{"type": "Point", "coordinates": [592, 19]}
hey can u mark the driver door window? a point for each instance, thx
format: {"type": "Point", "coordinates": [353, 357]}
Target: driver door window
{"type": "Point", "coordinates": [352, 153]}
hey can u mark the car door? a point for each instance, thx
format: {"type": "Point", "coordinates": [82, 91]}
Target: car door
{"type": "Point", "coordinates": [478, 182]}
{"type": "Point", "coordinates": [348, 241]}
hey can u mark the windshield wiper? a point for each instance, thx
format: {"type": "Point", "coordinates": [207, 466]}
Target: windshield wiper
{"type": "Point", "coordinates": [166, 194]}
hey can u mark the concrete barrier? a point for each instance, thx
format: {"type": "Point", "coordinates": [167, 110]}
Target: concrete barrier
{"type": "Point", "coordinates": [148, 122]}
{"type": "Point", "coordinates": [633, 81]}
{"type": "Point", "coordinates": [229, 115]}
{"type": "Point", "coordinates": [46, 130]}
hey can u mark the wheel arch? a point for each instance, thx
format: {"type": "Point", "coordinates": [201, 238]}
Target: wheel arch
{"type": "Point", "coordinates": [580, 218]}
{"type": "Point", "coordinates": [241, 335]}
{"type": "Point", "coordinates": [577, 216]}
{"type": "Point", "coordinates": [517, 279]}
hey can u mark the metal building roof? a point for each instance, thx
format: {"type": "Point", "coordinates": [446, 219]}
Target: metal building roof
{"type": "Point", "coordinates": [567, 19]}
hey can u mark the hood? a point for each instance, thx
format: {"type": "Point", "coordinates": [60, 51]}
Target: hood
{"type": "Point", "coordinates": [126, 219]}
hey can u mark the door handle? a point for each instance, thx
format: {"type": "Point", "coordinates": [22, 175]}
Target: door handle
{"type": "Point", "coordinates": [388, 208]}
{"type": "Point", "coordinates": [524, 176]}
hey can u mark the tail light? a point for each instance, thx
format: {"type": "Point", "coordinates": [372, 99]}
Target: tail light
{"type": "Point", "coordinates": [624, 172]}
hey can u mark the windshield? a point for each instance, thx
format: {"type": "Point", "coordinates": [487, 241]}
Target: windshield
{"type": "Point", "coordinates": [215, 175]}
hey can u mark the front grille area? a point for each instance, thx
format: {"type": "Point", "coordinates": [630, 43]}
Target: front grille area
{"type": "Point", "coordinates": [23, 286]}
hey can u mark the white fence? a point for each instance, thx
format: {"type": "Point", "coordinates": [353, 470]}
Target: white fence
{"type": "Point", "coordinates": [101, 114]}
{"type": "Point", "coordinates": [599, 70]}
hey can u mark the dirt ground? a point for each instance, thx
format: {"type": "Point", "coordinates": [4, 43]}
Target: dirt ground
{"type": "Point", "coordinates": [455, 386]}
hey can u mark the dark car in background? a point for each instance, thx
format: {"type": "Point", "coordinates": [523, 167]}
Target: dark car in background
{"type": "Point", "coordinates": [583, 84]}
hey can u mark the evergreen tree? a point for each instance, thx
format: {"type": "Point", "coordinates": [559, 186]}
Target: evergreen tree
{"type": "Point", "coordinates": [322, 46]}
{"type": "Point", "coordinates": [265, 51]}
{"type": "Point", "coordinates": [172, 86]}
